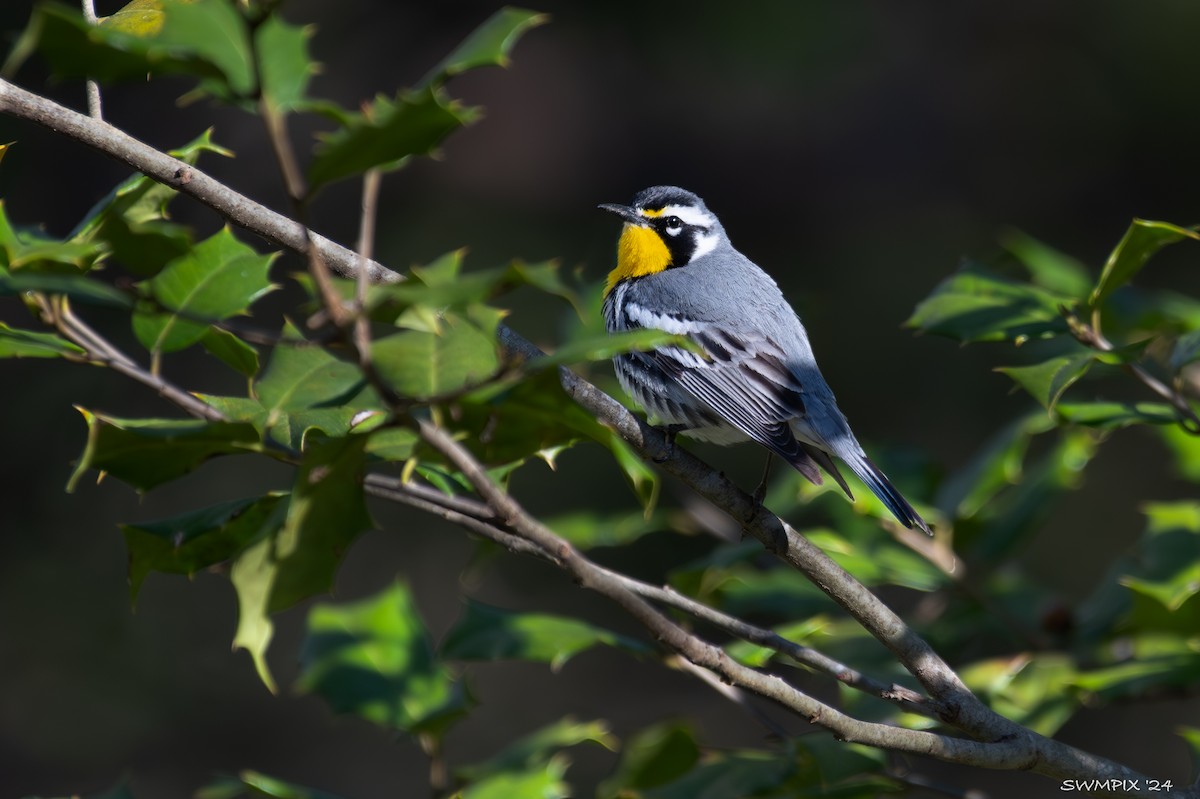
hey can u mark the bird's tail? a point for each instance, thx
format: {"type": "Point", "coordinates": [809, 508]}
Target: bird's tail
{"type": "Point", "coordinates": [881, 487]}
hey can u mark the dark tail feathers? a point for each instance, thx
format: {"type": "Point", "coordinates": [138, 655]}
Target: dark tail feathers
{"type": "Point", "coordinates": [881, 487]}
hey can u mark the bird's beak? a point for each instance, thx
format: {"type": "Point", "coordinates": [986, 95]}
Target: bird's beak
{"type": "Point", "coordinates": [625, 212]}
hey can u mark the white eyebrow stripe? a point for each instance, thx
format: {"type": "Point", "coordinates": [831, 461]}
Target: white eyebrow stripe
{"type": "Point", "coordinates": [689, 214]}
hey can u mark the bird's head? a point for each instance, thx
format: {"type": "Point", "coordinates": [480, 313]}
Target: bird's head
{"type": "Point", "coordinates": [665, 227]}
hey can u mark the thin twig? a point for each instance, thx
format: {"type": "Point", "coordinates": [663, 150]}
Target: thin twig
{"type": "Point", "coordinates": [95, 109]}
{"type": "Point", "coordinates": [372, 180]}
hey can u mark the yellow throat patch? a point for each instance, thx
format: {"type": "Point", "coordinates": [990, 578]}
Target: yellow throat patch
{"type": "Point", "coordinates": [641, 251]}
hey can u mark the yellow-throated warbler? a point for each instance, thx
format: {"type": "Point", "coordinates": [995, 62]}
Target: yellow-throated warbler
{"type": "Point", "coordinates": [757, 378]}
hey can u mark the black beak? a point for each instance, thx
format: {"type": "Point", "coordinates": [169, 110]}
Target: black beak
{"type": "Point", "coordinates": [623, 211]}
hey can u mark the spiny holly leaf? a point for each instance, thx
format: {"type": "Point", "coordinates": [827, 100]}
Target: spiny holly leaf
{"type": "Point", "coordinates": [216, 279]}
{"type": "Point", "coordinates": [1143, 239]}
{"type": "Point", "coordinates": [374, 659]}
{"type": "Point", "coordinates": [325, 513]}
{"type": "Point", "coordinates": [1113, 415]}
{"type": "Point", "coordinates": [301, 375]}
{"type": "Point", "coordinates": [148, 452]}
{"type": "Point", "coordinates": [133, 220]}
{"type": "Point", "coordinates": [489, 633]}
{"type": "Point", "coordinates": [488, 45]}
{"type": "Point", "coordinates": [206, 39]}
{"type": "Point", "coordinates": [538, 747]}
{"type": "Point", "coordinates": [284, 65]}
{"type": "Point", "coordinates": [654, 756]}
{"type": "Point", "coordinates": [28, 253]}
{"type": "Point", "coordinates": [425, 365]}
{"type": "Point", "coordinates": [196, 540]}
{"type": "Point", "coordinates": [975, 304]}
{"type": "Point", "coordinates": [255, 785]}
{"type": "Point", "coordinates": [17, 343]}
{"type": "Point", "coordinates": [1169, 555]}
{"type": "Point", "coordinates": [286, 428]}
{"type": "Point", "coordinates": [386, 133]}
{"type": "Point", "coordinates": [1048, 380]}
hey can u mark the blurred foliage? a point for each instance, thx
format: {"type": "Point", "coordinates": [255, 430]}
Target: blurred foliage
{"type": "Point", "coordinates": [1081, 336]}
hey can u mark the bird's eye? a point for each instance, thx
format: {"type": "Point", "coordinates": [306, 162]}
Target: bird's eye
{"type": "Point", "coordinates": [674, 222]}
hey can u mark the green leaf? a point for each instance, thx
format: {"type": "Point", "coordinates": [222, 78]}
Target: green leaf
{"type": "Point", "coordinates": [1168, 555]}
{"type": "Point", "coordinates": [426, 365]}
{"type": "Point", "coordinates": [975, 304]}
{"type": "Point", "coordinates": [1185, 350]}
{"type": "Point", "coordinates": [1033, 692]}
{"type": "Point", "coordinates": [735, 775]}
{"type": "Point", "coordinates": [654, 756]}
{"type": "Point", "coordinates": [374, 659]}
{"type": "Point", "coordinates": [1113, 415]}
{"type": "Point", "coordinates": [1050, 269]}
{"type": "Point", "coordinates": [602, 348]}
{"type": "Point", "coordinates": [997, 465]}
{"type": "Point", "coordinates": [284, 63]}
{"type": "Point", "coordinates": [216, 279]}
{"type": "Point", "coordinates": [206, 39]}
{"type": "Point", "coordinates": [302, 375]}
{"type": "Point", "coordinates": [325, 514]}
{"type": "Point", "coordinates": [386, 133]}
{"type": "Point", "coordinates": [488, 45]}
{"type": "Point", "coordinates": [254, 784]}
{"type": "Point", "coordinates": [133, 221]}
{"type": "Point", "coordinates": [199, 539]}
{"type": "Point", "coordinates": [231, 350]}
{"type": "Point", "coordinates": [1191, 736]}
{"type": "Point", "coordinates": [535, 749]}
{"type": "Point", "coordinates": [77, 287]}
{"type": "Point", "coordinates": [27, 252]}
{"type": "Point", "coordinates": [1147, 673]}
{"type": "Point", "coordinates": [1048, 380]}
{"type": "Point", "coordinates": [148, 452]}
{"type": "Point", "coordinates": [543, 782]}
{"type": "Point", "coordinates": [17, 343]}
{"type": "Point", "coordinates": [587, 529]}
{"type": "Point", "coordinates": [1141, 241]}
{"type": "Point", "coordinates": [1186, 450]}
{"type": "Point", "coordinates": [488, 633]}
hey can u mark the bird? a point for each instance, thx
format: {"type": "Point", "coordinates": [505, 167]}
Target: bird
{"type": "Point", "coordinates": [751, 373]}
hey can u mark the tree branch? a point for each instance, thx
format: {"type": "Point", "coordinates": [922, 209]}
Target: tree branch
{"type": "Point", "coordinates": [1004, 744]}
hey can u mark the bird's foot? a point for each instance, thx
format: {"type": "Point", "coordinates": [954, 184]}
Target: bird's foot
{"type": "Point", "coordinates": [760, 493]}
{"type": "Point", "coordinates": [670, 431]}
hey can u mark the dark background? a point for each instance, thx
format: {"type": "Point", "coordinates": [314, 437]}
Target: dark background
{"type": "Point", "coordinates": [855, 149]}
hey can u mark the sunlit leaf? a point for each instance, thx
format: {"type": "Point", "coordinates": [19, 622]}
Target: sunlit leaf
{"type": "Point", "coordinates": [1048, 380]}
{"type": "Point", "coordinates": [1141, 241]}
{"type": "Point", "coordinates": [217, 278]}
{"type": "Point", "coordinates": [733, 775]}
{"type": "Point", "coordinates": [1032, 692]}
{"type": "Point", "coordinates": [424, 365]}
{"type": "Point", "coordinates": [544, 781]}
{"type": "Point", "coordinates": [374, 659]}
{"type": "Point", "coordinates": [30, 255]}
{"type": "Point", "coordinates": [300, 375]}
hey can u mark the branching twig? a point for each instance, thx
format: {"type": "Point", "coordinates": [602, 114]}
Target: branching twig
{"type": "Point", "coordinates": [95, 109]}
